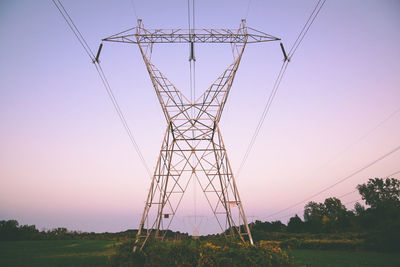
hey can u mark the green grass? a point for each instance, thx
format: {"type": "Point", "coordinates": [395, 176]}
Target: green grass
{"type": "Point", "coordinates": [56, 253]}
{"type": "Point", "coordinates": [334, 258]}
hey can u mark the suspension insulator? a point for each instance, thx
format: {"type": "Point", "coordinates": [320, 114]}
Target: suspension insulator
{"type": "Point", "coordinates": [98, 53]}
{"type": "Point", "coordinates": [192, 57]}
{"type": "Point", "coordinates": [284, 53]}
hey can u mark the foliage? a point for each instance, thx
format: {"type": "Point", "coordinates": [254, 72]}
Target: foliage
{"type": "Point", "coordinates": [295, 225]}
{"type": "Point", "coordinates": [379, 224]}
{"type": "Point", "coordinates": [11, 230]}
{"type": "Point", "coordinates": [382, 219]}
{"type": "Point", "coordinates": [201, 253]}
{"type": "Point", "coordinates": [381, 193]}
{"type": "Point", "coordinates": [330, 216]}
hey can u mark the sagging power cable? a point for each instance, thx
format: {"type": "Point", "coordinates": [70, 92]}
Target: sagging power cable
{"type": "Point", "coordinates": [103, 78]}
{"type": "Point", "coordinates": [278, 80]}
{"type": "Point", "coordinates": [339, 181]}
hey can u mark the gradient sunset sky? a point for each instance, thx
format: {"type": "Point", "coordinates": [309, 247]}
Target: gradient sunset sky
{"type": "Point", "coordinates": [66, 161]}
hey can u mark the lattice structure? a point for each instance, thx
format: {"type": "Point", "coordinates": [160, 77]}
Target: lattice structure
{"type": "Point", "coordinates": [193, 147]}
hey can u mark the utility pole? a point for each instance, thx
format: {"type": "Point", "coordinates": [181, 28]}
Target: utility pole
{"type": "Point", "coordinates": [192, 147]}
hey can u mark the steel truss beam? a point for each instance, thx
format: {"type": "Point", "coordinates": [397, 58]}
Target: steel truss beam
{"type": "Point", "coordinates": [192, 147]}
{"type": "Point", "coordinates": [138, 35]}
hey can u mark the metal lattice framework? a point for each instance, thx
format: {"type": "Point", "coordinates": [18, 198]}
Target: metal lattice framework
{"type": "Point", "coordinates": [192, 147]}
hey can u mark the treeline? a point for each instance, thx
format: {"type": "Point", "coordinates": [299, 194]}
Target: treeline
{"type": "Point", "coordinates": [378, 224]}
{"type": "Point", "coordinates": [11, 231]}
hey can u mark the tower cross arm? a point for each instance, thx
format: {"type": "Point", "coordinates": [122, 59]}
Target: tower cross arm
{"type": "Point", "coordinates": [139, 35]}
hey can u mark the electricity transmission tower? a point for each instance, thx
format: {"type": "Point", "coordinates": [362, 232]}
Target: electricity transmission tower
{"type": "Point", "coordinates": [193, 147]}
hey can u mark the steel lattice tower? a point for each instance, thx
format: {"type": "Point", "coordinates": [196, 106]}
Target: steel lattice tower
{"type": "Point", "coordinates": [192, 147]}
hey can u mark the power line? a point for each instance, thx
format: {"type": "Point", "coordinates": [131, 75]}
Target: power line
{"type": "Point", "coordinates": [347, 203]}
{"type": "Point", "coordinates": [387, 176]}
{"type": "Point", "coordinates": [263, 115]}
{"type": "Point", "coordinates": [306, 27]}
{"type": "Point", "coordinates": [74, 29]}
{"type": "Point", "coordinates": [278, 80]}
{"type": "Point", "coordinates": [248, 9]}
{"type": "Point", "coordinates": [192, 81]}
{"type": "Point", "coordinates": [368, 133]}
{"type": "Point", "coordinates": [360, 139]}
{"type": "Point", "coordinates": [340, 181]}
{"type": "Point", "coordinates": [121, 116]}
{"type": "Point", "coordinates": [344, 195]}
{"type": "Point", "coordinates": [103, 78]}
{"type": "Point", "coordinates": [392, 174]}
{"type": "Point", "coordinates": [134, 9]}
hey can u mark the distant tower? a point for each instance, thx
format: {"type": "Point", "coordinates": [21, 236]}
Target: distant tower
{"type": "Point", "coordinates": [192, 147]}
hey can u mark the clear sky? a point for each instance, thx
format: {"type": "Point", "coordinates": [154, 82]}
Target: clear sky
{"type": "Point", "coordinates": [65, 159]}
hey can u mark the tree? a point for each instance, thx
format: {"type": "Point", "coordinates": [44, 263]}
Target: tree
{"type": "Point", "coordinates": [359, 209]}
{"type": "Point", "coordinates": [382, 219]}
{"type": "Point", "coordinates": [9, 230]}
{"type": "Point", "coordinates": [330, 216]}
{"type": "Point", "coordinates": [333, 208]}
{"type": "Point", "coordinates": [295, 225]}
{"type": "Point", "coordinates": [378, 192]}
{"type": "Point", "coordinates": [313, 211]}
{"type": "Point", "coordinates": [336, 214]}
{"type": "Point", "coordinates": [314, 216]}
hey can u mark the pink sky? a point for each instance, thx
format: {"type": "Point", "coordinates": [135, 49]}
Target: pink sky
{"type": "Point", "coordinates": [65, 159]}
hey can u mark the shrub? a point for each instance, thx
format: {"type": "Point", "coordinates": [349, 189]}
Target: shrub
{"type": "Point", "coordinates": [198, 253]}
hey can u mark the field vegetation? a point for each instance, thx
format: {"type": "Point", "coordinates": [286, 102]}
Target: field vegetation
{"type": "Point", "coordinates": [57, 252]}
{"type": "Point", "coordinates": [202, 253]}
{"type": "Point", "coordinates": [329, 235]}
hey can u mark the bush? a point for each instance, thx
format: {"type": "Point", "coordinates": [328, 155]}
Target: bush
{"type": "Point", "coordinates": [198, 253]}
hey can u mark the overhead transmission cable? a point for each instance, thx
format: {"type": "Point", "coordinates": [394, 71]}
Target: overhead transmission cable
{"type": "Point", "coordinates": [103, 78]}
{"type": "Point", "coordinates": [339, 181]}
{"type": "Point", "coordinates": [248, 9]}
{"type": "Point", "coordinates": [134, 9]}
{"type": "Point", "coordinates": [306, 27]}
{"type": "Point", "coordinates": [369, 132]}
{"type": "Point", "coordinates": [192, 59]}
{"type": "Point", "coordinates": [357, 141]}
{"type": "Point", "coordinates": [339, 197]}
{"type": "Point", "coordinates": [356, 190]}
{"type": "Point", "coordinates": [278, 80]}
{"type": "Point", "coordinates": [377, 126]}
{"type": "Point", "coordinates": [350, 202]}
{"type": "Point", "coordinates": [392, 174]}
{"type": "Point", "coordinates": [192, 81]}
{"type": "Point", "coordinates": [349, 193]}
{"type": "Point", "coordinates": [73, 27]}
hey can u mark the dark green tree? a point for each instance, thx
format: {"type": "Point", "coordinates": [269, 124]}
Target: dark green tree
{"type": "Point", "coordinates": [379, 192]}
{"type": "Point", "coordinates": [313, 216]}
{"type": "Point", "coordinates": [336, 217]}
{"type": "Point", "coordinates": [382, 219]}
{"type": "Point", "coordinates": [333, 208]}
{"type": "Point", "coordinates": [9, 230]}
{"type": "Point", "coordinates": [295, 225]}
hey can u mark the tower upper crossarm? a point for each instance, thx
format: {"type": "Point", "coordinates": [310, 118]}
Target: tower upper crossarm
{"type": "Point", "coordinates": [230, 36]}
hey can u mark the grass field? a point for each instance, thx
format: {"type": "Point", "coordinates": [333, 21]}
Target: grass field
{"type": "Point", "coordinates": [56, 253]}
{"type": "Point", "coordinates": [96, 252]}
{"type": "Point", "coordinates": [333, 258]}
